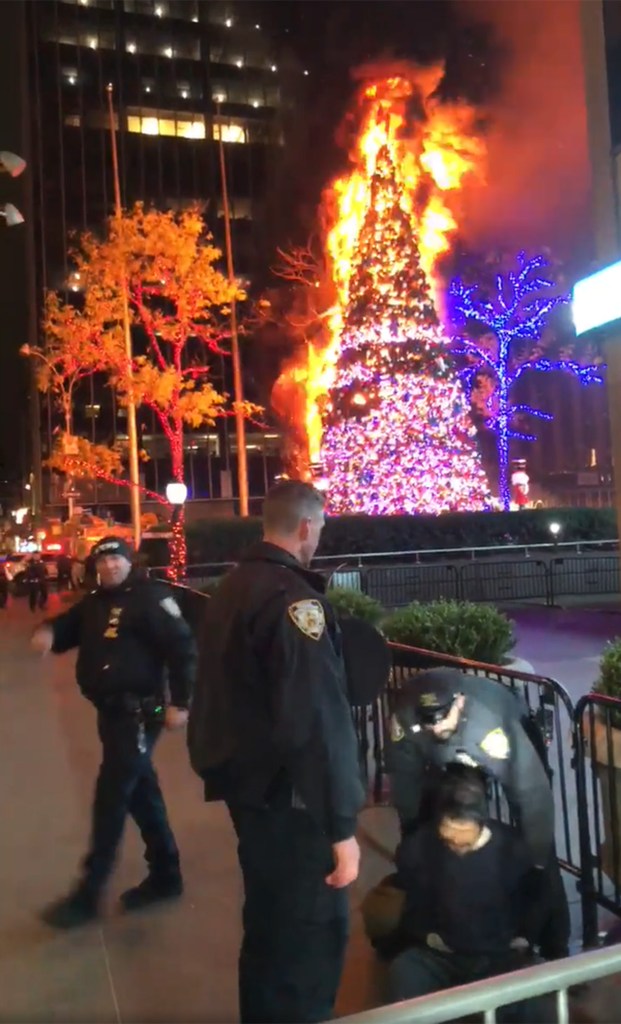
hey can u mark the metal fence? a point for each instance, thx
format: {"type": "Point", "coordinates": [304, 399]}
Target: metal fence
{"type": "Point", "coordinates": [580, 747]}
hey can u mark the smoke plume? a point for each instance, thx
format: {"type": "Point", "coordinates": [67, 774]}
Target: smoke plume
{"type": "Point", "coordinates": [538, 177]}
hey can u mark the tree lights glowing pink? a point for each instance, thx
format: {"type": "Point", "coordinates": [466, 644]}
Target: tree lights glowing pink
{"type": "Point", "coordinates": [518, 316]}
{"type": "Point", "coordinates": [398, 437]}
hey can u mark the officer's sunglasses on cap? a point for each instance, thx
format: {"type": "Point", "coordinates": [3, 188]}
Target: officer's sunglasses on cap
{"type": "Point", "coordinates": [432, 714]}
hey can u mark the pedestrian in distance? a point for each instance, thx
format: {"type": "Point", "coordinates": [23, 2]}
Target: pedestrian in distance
{"type": "Point", "coordinates": [271, 733]}
{"type": "Point", "coordinates": [35, 578]}
{"type": "Point", "coordinates": [136, 664]}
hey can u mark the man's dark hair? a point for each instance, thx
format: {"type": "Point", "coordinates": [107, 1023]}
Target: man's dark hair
{"type": "Point", "coordinates": [287, 503]}
{"type": "Point", "coordinates": [463, 795]}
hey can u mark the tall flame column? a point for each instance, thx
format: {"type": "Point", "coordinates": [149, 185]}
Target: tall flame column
{"type": "Point", "coordinates": [397, 432]}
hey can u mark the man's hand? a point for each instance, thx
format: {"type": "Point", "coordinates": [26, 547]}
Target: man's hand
{"type": "Point", "coordinates": [42, 639]}
{"type": "Point", "coordinates": [346, 863]}
{"type": "Point", "coordinates": [175, 718]}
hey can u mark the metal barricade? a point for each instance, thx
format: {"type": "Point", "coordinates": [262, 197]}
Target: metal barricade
{"type": "Point", "coordinates": [505, 581]}
{"type": "Point", "coordinates": [598, 769]}
{"type": "Point", "coordinates": [583, 575]}
{"type": "Point", "coordinates": [397, 585]}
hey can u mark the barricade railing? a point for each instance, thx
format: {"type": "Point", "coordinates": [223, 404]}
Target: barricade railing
{"type": "Point", "coordinates": [506, 989]}
{"type": "Point", "coordinates": [497, 581]}
{"type": "Point", "coordinates": [598, 771]}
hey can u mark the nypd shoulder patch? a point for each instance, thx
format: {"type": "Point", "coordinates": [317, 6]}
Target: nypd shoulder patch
{"type": "Point", "coordinates": [496, 745]}
{"type": "Point", "coordinates": [171, 607]}
{"type": "Point", "coordinates": [309, 617]}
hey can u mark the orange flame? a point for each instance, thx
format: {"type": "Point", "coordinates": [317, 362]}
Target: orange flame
{"type": "Point", "coordinates": [433, 151]}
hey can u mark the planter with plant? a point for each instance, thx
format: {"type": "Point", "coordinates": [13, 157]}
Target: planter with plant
{"type": "Point", "coordinates": [477, 632]}
{"type": "Point", "coordinates": [600, 750]}
{"type": "Point", "coordinates": [354, 603]}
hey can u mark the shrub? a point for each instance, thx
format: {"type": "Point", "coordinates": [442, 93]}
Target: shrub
{"type": "Point", "coordinates": [354, 602]}
{"type": "Point", "coordinates": [609, 682]}
{"type": "Point", "coordinates": [478, 632]}
{"type": "Point", "coordinates": [223, 540]}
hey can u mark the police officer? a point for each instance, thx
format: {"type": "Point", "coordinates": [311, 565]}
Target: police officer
{"type": "Point", "coordinates": [443, 717]}
{"type": "Point", "coordinates": [127, 632]}
{"type": "Point", "coordinates": [271, 733]}
{"type": "Point", "coordinates": [35, 577]}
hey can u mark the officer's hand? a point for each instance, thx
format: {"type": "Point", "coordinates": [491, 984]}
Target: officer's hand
{"type": "Point", "coordinates": [42, 640]}
{"type": "Point", "coordinates": [175, 718]}
{"type": "Point", "coordinates": [346, 863]}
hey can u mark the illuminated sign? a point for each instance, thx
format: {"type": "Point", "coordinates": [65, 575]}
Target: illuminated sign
{"type": "Point", "coordinates": [596, 300]}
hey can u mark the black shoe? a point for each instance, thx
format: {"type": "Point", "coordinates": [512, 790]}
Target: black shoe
{"type": "Point", "coordinates": [152, 889]}
{"type": "Point", "coordinates": [72, 911]}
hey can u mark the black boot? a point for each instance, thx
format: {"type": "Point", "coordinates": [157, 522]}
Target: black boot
{"type": "Point", "coordinates": [153, 889]}
{"type": "Point", "coordinates": [74, 910]}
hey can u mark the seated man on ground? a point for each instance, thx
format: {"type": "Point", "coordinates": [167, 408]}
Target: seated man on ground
{"type": "Point", "coordinates": [470, 887]}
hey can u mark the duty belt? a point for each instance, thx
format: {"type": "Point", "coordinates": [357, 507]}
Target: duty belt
{"type": "Point", "coordinates": [130, 704]}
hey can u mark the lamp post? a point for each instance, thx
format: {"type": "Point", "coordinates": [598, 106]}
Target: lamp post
{"type": "Point", "coordinates": [176, 494]}
{"type": "Point", "coordinates": [132, 433]}
{"type": "Point", "coordinates": [238, 387]}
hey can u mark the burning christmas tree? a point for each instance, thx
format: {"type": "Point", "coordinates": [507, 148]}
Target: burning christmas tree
{"type": "Point", "coordinates": [397, 434]}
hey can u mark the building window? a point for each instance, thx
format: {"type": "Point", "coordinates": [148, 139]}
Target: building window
{"type": "Point", "coordinates": [73, 121]}
{"type": "Point", "coordinates": [181, 127]}
{"type": "Point", "coordinates": [229, 131]}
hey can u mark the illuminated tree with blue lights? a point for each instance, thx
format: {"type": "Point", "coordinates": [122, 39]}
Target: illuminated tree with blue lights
{"type": "Point", "coordinates": [519, 312]}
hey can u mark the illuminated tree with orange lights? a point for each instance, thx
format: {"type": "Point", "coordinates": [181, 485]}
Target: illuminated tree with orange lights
{"type": "Point", "coordinates": [398, 437]}
{"type": "Point", "coordinates": [179, 302]}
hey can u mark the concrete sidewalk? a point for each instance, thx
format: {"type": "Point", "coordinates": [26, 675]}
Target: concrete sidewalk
{"type": "Point", "coordinates": [173, 963]}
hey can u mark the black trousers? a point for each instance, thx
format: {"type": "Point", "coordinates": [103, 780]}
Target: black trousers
{"type": "Point", "coordinates": [419, 971]}
{"type": "Point", "coordinates": [37, 592]}
{"type": "Point", "coordinates": [127, 785]}
{"type": "Point", "coordinates": [295, 926]}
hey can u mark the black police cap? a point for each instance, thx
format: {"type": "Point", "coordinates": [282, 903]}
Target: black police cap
{"type": "Point", "coordinates": [427, 697]}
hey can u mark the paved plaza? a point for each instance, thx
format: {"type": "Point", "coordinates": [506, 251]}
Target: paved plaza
{"type": "Point", "coordinates": [176, 962]}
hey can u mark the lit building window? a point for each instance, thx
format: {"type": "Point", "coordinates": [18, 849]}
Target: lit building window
{"type": "Point", "coordinates": [73, 121]}
{"type": "Point", "coordinates": [171, 126]}
{"type": "Point", "coordinates": [229, 132]}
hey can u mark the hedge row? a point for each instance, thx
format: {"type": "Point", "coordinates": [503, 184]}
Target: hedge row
{"type": "Point", "coordinates": [222, 540]}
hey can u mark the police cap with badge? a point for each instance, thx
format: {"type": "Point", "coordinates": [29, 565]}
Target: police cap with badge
{"type": "Point", "coordinates": [427, 697]}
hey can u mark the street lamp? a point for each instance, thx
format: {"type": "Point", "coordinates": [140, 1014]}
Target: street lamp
{"type": "Point", "coordinates": [11, 215]}
{"type": "Point", "coordinates": [176, 493]}
{"type": "Point", "coordinates": [555, 529]}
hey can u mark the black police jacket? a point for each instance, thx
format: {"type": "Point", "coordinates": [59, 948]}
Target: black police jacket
{"type": "Point", "coordinates": [270, 714]}
{"type": "Point", "coordinates": [127, 637]}
{"type": "Point", "coordinates": [491, 735]}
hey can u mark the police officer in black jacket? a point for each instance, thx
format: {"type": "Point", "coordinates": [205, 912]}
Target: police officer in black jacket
{"type": "Point", "coordinates": [445, 717]}
{"type": "Point", "coordinates": [271, 733]}
{"type": "Point", "coordinates": [127, 631]}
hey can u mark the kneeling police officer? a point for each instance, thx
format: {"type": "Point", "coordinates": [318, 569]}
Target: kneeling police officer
{"type": "Point", "coordinates": [445, 717]}
{"type": "Point", "coordinates": [127, 631]}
